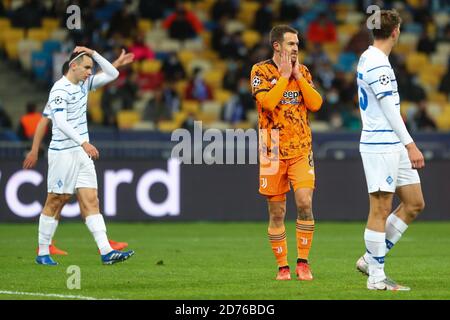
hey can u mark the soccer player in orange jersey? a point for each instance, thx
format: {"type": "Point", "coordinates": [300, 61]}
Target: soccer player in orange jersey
{"type": "Point", "coordinates": [284, 93]}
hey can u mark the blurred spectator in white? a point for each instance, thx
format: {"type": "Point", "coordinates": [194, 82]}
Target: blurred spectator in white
{"type": "Point", "coordinates": [183, 24]}
{"type": "Point", "coordinates": [197, 88]}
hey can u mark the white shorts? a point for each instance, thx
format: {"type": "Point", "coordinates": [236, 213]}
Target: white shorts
{"type": "Point", "coordinates": [70, 171]}
{"type": "Point", "coordinates": [388, 171]}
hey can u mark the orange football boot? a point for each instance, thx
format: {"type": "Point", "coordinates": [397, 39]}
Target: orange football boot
{"type": "Point", "coordinates": [283, 274]}
{"type": "Point", "coordinates": [303, 272]}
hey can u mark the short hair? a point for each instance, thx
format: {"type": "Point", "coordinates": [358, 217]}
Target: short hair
{"type": "Point", "coordinates": [277, 33]}
{"type": "Point", "coordinates": [389, 21]}
{"type": "Point", "coordinates": [77, 57]}
{"type": "Point", "coordinates": [65, 68]}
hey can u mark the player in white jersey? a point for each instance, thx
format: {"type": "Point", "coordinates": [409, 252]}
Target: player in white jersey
{"type": "Point", "coordinates": [389, 154]}
{"type": "Point", "coordinates": [70, 157]}
{"type": "Point", "coordinates": [32, 156]}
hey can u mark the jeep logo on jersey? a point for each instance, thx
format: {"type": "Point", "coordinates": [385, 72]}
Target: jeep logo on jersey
{"type": "Point", "coordinates": [291, 94]}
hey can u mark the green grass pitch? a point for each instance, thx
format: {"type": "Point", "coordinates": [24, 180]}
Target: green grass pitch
{"type": "Point", "coordinates": [220, 261]}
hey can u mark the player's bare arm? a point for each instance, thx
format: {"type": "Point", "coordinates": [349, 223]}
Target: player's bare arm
{"type": "Point", "coordinates": [91, 151]}
{"type": "Point", "coordinates": [416, 157]}
{"type": "Point", "coordinates": [33, 156]}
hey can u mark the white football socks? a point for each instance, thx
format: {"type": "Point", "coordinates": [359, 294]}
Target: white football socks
{"type": "Point", "coordinates": [376, 246]}
{"type": "Point", "coordinates": [395, 227]}
{"type": "Point", "coordinates": [97, 227]}
{"type": "Point", "coordinates": [47, 228]}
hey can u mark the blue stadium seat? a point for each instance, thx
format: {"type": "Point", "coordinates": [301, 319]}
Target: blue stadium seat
{"type": "Point", "coordinates": [51, 46]}
{"type": "Point", "coordinates": [41, 64]}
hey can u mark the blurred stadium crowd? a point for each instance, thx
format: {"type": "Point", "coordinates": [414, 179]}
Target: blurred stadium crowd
{"type": "Point", "coordinates": [193, 58]}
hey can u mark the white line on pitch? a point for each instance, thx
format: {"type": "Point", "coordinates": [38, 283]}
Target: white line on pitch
{"type": "Point", "coordinates": [48, 295]}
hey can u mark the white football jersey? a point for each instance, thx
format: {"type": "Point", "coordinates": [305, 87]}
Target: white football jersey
{"type": "Point", "coordinates": [376, 79]}
{"type": "Point", "coordinates": [72, 100]}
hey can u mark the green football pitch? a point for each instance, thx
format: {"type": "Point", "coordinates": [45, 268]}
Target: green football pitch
{"type": "Point", "coordinates": [220, 261]}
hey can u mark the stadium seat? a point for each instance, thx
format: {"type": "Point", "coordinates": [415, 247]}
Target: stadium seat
{"type": "Point", "coordinates": [38, 34]}
{"type": "Point", "coordinates": [150, 66]}
{"type": "Point", "coordinates": [167, 126]}
{"type": "Point", "coordinates": [251, 38]}
{"type": "Point", "coordinates": [41, 64]}
{"type": "Point", "coordinates": [437, 97]}
{"type": "Point", "coordinates": [212, 108]}
{"type": "Point", "coordinates": [415, 61]}
{"type": "Point", "coordinates": [50, 24]}
{"type": "Point", "coordinates": [5, 23]}
{"type": "Point", "coordinates": [126, 119]}
{"type": "Point", "coordinates": [222, 95]}
{"type": "Point", "coordinates": [214, 77]}
{"type": "Point", "coordinates": [59, 35]}
{"type": "Point", "coordinates": [201, 63]}
{"type": "Point", "coordinates": [144, 25]}
{"type": "Point", "coordinates": [51, 46]}
{"type": "Point", "coordinates": [185, 57]}
{"type": "Point", "coordinates": [190, 106]}
{"type": "Point", "coordinates": [206, 38]}
{"type": "Point", "coordinates": [12, 50]}
{"type": "Point", "coordinates": [247, 12]}
{"type": "Point", "coordinates": [25, 47]}
{"type": "Point", "coordinates": [13, 35]}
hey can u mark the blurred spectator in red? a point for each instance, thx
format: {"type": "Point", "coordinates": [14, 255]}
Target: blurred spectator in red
{"type": "Point", "coordinates": [322, 29]}
{"type": "Point", "coordinates": [197, 88]}
{"type": "Point", "coordinates": [172, 68]}
{"type": "Point", "coordinates": [183, 24]}
{"type": "Point", "coordinates": [28, 122]}
{"type": "Point", "coordinates": [140, 49]}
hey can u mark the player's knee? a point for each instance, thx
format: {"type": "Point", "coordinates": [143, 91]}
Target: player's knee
{"type": "Point", "coordinates": [413, 209]}
{"type": "Point", "coordinates": [304, 204]}
{"type": "Point", "coordinates": [277, 215]}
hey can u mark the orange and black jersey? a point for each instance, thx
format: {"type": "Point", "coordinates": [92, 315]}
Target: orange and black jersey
{"type": "Point", "coordinates": [283, 104]}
